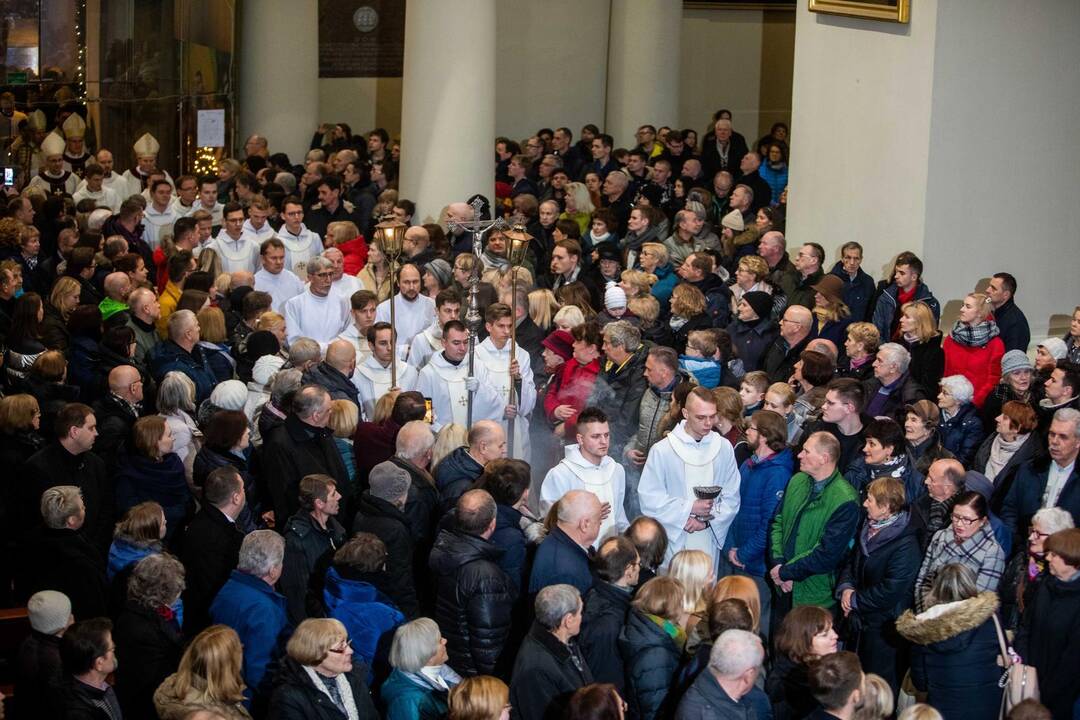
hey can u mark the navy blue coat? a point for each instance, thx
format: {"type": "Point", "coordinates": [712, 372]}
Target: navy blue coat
{"type": "Point", "coordinates": [510, 537]}
{"type": "Point", "coordinates": [858, 293]}
{"type": "Point", "coordinates": [606, 607]}
{"type": "Point", "coordinates": [168, 356]}
{"type": "Point", "coordinates": [651, 658]}
{"type": "Point", "coordinates": [560, 560]}
{"type": "Point", "coordinates": [140, 479]}
{"type": "Point", "coordinates": [454, 475]}
{"type": "Point", "coordinates": [1013, 327]}
{"type": "Point", "coordinates": [751, 340]}
{"type": "Point", "coordinates": [1025, 496]}
{"type": "Point", "coordinates": [962, 434]}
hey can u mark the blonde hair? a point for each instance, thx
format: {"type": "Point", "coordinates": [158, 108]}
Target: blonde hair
{"type": "Point", "coordinates": [739, 587]}
{"type": "Point", "coordinates": [877, 703]}
{"type": "Point", "coordinates": [223, 283]}
{"type": "Point", "coordinates": [569, 315]}
{"type": "Point", "coordinates": [920, 312]}
{"type": "Point", "coordinates": [313, 638]}
{"type": "Point", "coordinates": [542, 307]}
{"type": "Point", "coordinates": [662, 255]}
{"type": "Point", "coordinates": [693, 568]}
{"type": "Point", "coordinates": [642, 282]}
{"type": "Point", "coordinates": [64, 286]}
{"type": "Point", "coordinates": [343, 231]}
{"type": "Point", "coordinates": [478, 698]}
{"type": "Point", "coordinates": [344, 417]}
{"type": "Point", "coordinates": [581, 197]}
{"type": "Point", "coordinates": [269, 319]}
{"type": "Point", "coordinates": [209, 262]}
{"type": "Point", "coordinates": [756, 265]}
{"type": "Point", "coordinates": [867, 334]}
{"type": "Point", "coordinates": [646, 308]}
{"type": "Point", "coordinates": [704, 341]}
{"type": "Point", "coordinates": [662, 596]}
{"type": "Point", "coordinates": [919, 711]}
{"type": "Point", "coordinates": [384, 406]}
{"type": "Point", "coordinates": [17, 412]}
{"type": "Point", "coordinates": [787, 395]}
{"type": "Point", "coordinates": [687, 301]}
{"type": "Point", "coordinates": [211, 667]}
{"type": "Point", "coordinates": [212, 325]}
{"type": "Point", "coordinates": [450, 438]}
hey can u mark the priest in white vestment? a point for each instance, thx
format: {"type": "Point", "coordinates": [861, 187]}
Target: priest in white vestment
{"type": "Point", "coordinates": [283, 285]}
{"type": "Point", "coordinates": [146, 154]}
{"type": "Point", "coordinates": [343, 285]}
{"type": "Point", "coordinates": [429, 341]}
{"type": "Point", "coordinates": [317, 314]}
{"type": "Point", "coordinates": [301, 244]}
{"type": "Point", "coordinates": [159, 217]}
{"type": "Point", "coordinates": [445, 379]}
{"type": "Point", "coordinates": [235, 250]}
{"type": "Point", "coordinates": [587, 466]}
{"type": "Point", "coordinates": [692, 455]}
{"type": "Point", "coordinates": [494, 355]}
{"type": "Point", "coordinates": [363, 317]}
{"type": "Point", "coordinates": [413, 311]}
{"type": "Point", "coordinates": [373, 377]}
{"type": "Point", "coordinates": [112, 180]}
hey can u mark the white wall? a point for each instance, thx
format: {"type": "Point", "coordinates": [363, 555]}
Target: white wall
{"type": "Point", "coordinates": [1004, 167]}
{"type": "Point", "coordinates": [348, 100]}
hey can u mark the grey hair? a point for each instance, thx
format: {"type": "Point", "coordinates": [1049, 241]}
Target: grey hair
{"type": "Point", "coordinates": [318, 264]}
{"type": "Point", "coordinates": [735, 652]}
{"type": "Point", "coordinates": [574, 505]}
{"type": "Point", "coordinates": [411, 443]}
{"type": "Point", "coordinates": [695, 207]}
{"type": "Point", "coordinates": [176, 392]}
{"type": "Point", "coordinates": [287, 181]}
{"type": "Point", "coordinates": [261, 552]}
{"type": "Point", "coordinates": [1053, 519]}
{"type": "Point", "coordinates": [1069, 415]}
{"type": "Point", "coordinates": [952, 582]}
{"type": "Point", "coordinates": [304, 350]}
{"type": "Point", "coordinates": [59, 503]}
{"type": "Point", "coordinates": [156, 581]}
{"type": "Point", "coordinates": [414, 644]}
{"type": "Point", "coordinates": [283, 383]}
{"type": "Point", "coordinates": [623, 334]}
{"type": "Point", "coordinates": [555, 602]}
{"type": "Point", "coordinates": [897, 355]}
{"type": "Point", "coordinates": [179, 322]}
{"type": "Point", "coordinates": [308, 399]}
{"type": "Point", "coordinates": [959, 387]}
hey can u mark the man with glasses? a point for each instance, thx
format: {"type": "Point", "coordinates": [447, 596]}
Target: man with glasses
{"type": "Point", "coordinates": [779, 360]}
{"type": "Point", "coordinates": [117, 412]}
{"type": "Point", "coordinates": [301, 244]}
{"type": "Point", "coordinates": [90, 658]}
{"type": "Point", "coordinates": [808, 264]}
{"type": "Point", "coordinates": [317, 314]}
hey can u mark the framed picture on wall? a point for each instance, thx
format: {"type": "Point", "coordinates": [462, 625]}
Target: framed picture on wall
{"type": "Point", "coordinates": [890, 10]}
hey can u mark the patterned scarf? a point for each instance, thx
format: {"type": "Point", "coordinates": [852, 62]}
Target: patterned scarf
{"type": "Point", "coordinates": [876, 526]}
{"type": "Point", "coordinates": [976, 335]}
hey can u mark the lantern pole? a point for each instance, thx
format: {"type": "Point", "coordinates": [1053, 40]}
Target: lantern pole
{"type": "Point", "coordinates": [391, 233]}
{"type": "Point", "coordinates": [518, 243]}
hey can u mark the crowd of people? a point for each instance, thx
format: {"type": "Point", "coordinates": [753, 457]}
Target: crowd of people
{"type": "Point", "coordinates": [677, 469]}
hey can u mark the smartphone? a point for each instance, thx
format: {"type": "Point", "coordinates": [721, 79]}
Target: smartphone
{"type": "Point", "coordinates": [9, 177]}
{"type": "Point", "coordinates": [429, 417]}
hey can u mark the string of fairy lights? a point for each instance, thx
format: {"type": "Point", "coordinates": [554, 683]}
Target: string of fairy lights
{"type": "Point", "coordinates": [80, 45]}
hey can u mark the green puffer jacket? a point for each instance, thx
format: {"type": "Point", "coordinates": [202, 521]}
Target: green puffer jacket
{"type": "Point", "coordinates": [823, 526]}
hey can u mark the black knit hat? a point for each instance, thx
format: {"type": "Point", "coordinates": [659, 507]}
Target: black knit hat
{"type": "Point", "coordinates": [761, 302]}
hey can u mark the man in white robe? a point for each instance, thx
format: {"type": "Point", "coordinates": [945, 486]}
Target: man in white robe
{"type": "Point", "coordinates": [186, 201]}
{"type": "Point", "coordinates": [159, 216]}
{"type": "Point", "coordinates": [273, 278]}
{"type": "Point", "coordinates": [146, 154]}
{"type": "Point", "coordinates": [93, 188]}
{"type": "Point", "coordinates": [52, 177]}
{"type": "Point", "coordinates": [445, 379]}
{"type": "Point", "coordinates": [692, 455]}
{"type": "Point", "coordinates": [256, 227]}
{"type": "Point", "coordinates": [317, 314]}
{"type": "Point", "coordinates": [112, 179]}
{"type": "Point", "coordinates": [343, 285]}
{"type": "Point", "coordinates": [587, 466]}
{"type": "Point", "coordinates": [413, 311]}
{"type": "Point", "coordinates": [494, 355]}
{"type": "Point", "coordinates": [301, 244]}
{"type": "Point", "coordinates": [429, 342]}
{"type": "Point", "coordinates": [235, 250]}
{"type": "Point", "coordinates": [363, 304]}
{"type": "Point", "coordinates": [208, 201]}
{"type": "Point", "coordinates": [373, 377]}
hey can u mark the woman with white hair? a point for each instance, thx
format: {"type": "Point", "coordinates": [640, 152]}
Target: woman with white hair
{"type": "Point", "coordinates": [961, 428]}
{"type": "Point", "coordinates": [420, 683]}
{"type": "Point", "coordinates": [176, 402]}
{"type": "Point", "coordinates": [1026, 570]}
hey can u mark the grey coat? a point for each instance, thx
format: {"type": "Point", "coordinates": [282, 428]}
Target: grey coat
{"type": "Point", "coordinates": [706, 700]}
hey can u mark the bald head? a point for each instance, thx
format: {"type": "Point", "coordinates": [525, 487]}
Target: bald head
{"type": "Point", "coordinates": [944, 479]}
{"type": "Point", "coordinates": [341, 355]}
{"type": "Point", "coordinates": [824, 346]}
{"type": "Point", "coordinates": [143, 302]}
{"type": "Point", "coordinates": [416, 240]}
{"type": "Point", "coordinates": [123, 382]}
{"type": "Point", "coordinates": [797, 323]}
{"type": "Point", "coordinates": [118, 286]}
{"type": "Point", "coordinates": [487, 441]}
{"type": "Point", "coordinates": [579, 516]}
{"type": "Point", "coordinates": [241, 278]}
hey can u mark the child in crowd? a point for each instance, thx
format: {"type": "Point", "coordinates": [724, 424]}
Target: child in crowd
{"type": "Point", "coordinates": [699, 361]}
{"type": "Point", "coordinates": [780, 398]}
{"type": "Point", "coordinates": [752, 391]}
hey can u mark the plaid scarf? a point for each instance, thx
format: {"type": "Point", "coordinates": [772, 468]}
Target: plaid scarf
{"type": "Point", "coordinates": [974, 335]}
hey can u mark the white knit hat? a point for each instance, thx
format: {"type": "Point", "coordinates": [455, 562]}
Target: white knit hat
{"type": "Point", "coordinates": [734, 221]}
{"type": "Point", "coordinates": [49, 611]}
{"type": "Point", "coordinates": [614, 296]}
{"type": "Point", "coordinates": [1056, 347]}
{"type": "Point", "coordinates": [229, 395]}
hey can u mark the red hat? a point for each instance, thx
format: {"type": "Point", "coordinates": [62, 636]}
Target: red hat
{"type": "Point", "coordinates": [560, 342]}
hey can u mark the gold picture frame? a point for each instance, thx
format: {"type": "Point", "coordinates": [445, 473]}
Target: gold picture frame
{"type": "Point", "coordinates": [896, 11]}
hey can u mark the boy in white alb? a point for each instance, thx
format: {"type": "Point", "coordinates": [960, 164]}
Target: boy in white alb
{"type": "Point", "coordinates": [445, 379]}
{"type": "Point", "coordinates": [494, 355]}
{"type": "Point", "coordinates": [429, 342]}
{"type": "Point", "coordinates": [373, 377]}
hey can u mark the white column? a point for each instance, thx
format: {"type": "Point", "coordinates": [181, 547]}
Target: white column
{"type": "Point", "coordinates": [279, 74]}
{"type": "Point", "coordinates": [643, 67]}
{"type": "Point", "coordinates": [448, 103]}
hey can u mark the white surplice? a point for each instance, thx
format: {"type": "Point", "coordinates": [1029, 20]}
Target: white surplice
{"type": "Point", "coordinates": [607, 481]}
{"type": "Point", "coordinates": [320, 318]}
{"type": "Point", "coordinates": [424, 345]}
{"type": "Point", "coordinates": [282, 287]}
{"type": "Point", "coordinates": [497, 363]}
{"type": "Point", "coordinates": [410, 319]}
{"type": "Point", "coordinates": [300, 248]}
{"type": "Point", "coordinates": [236, 255]}
{"type": "Point", "coordinates": [372, 381]}
{"type": "Point", "coordinates": [445, 384]}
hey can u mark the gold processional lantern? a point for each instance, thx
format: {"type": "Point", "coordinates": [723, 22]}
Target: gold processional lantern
{"type": "Point", "coordinates": [391, 236]}
{"type": "Point", "coordinates": [517, 247]}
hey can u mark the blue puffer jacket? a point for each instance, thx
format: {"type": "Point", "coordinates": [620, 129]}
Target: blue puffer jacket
{"type": "Point", "coordinates": [962, 434]}
{"type": "Point", "coordinates": [257, 613]}
{"type": "Point", "coordinates": [760, 491]}
{"type": "Point", "coordinates": [369, 616]}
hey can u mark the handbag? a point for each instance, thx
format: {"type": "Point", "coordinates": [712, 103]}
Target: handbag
{"type": "Point", "coordinates": [1019, 682]}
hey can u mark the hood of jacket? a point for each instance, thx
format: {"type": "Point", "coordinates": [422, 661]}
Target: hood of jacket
{"type": "Point", "coordinates": [158, 477]}
{"type": "Point", "coordinates": [454, 549]}
{"type": "Point", "coordinates": [947, 620]}
{"type": "Point", "coordinates": [339, 590]}
{"type": "Point", "coordinates": [123, 553]}
{"type": "Point", "coordinates": [574, 457]}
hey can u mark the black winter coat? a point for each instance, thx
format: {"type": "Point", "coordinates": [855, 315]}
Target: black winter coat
{"type": "Point", "coordinates": [473, 602]}
{"type": "Point", "coordinates": [335, 382]}
{"type": "Point", "coordinates": [53, 465]}
{"type": "Point", "coordinates": [619, 395]}
{"type": "Point", "coordinates": [209, 550]}
{"type": "Point", "coordinates": [305, 545]}
{"type": "Point", "coordinates": [115, 418]}
{"type": "Point", "coordinates": [751, 340]}
{"type": "Point", "coordinates": [454, 475]}
{"type": "Point", "coordinates": [606, 607]}
{"type": "Point", "coordinates": [64, 560]}
{"type": "Point", "coordinates": [907, 393]}
{"type": "Point", "coordinates": [789, 689]}
{"type": "Point", "coordinates": [292, 451]}
{"type": "Point", "coordinates": [148, 648]}
{"type": "Point", "coordinates": [546, 674]}
{"type": "Point", "coordinates": [651, 658]}
{"type": "Point", "coordinates": [882, 572]}
{"type": "Point", "coordinates": [927, 364]}
{"type": "Point", "coordinates": [384, 521]}
{"type": "Point", "coordinates": [1032, 449]}
{"type": "Point", "coordinates": [296, 698]}
{"type": "Point", "coordinates": [778, 362]}
{"type": "Point", "coordinates": [962, 434]}
{"type": "Point", "coordinates": [1049, 639]}
{"type": "Point", "coordinates": [38, 673]}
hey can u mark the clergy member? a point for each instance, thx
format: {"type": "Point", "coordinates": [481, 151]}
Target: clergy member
{"type": "Point", "coordinates": [692, 456]}
{"type": "Point", "coordinates": [93, 188]}
{"type": "Point", "coordinates": [75, 155]}
{"type": "Point", "coordinates": [159, 216]}
{"type": "Point", "coordinates": [373, 377]}
{"type": "Point", "coordinates": [344, 285]}
{"type": "Point", "coordinates": [146, 153]}
{"type": "Point", "coordinates": [236, 250]}
{"type": "Point", "coordinates": [587, 466]}
{"type": "Point", "coordinates": [300, 243]}
{"type": "Point", "coordinates": [413, 311]}
{"type": "Point", "coordinates": [113, 180]}
{"type": "Point", "coordinates": [363, 303]}
{"type": "Point", "coordinates": [317, 314]}
{"type": "Point", "coordinates": [429, 341]}
{"type": "Point", "coordinates": [273, 278]}
{"type": "Point", "coordinates": [52, 177]}
{"type": "Point", "coordinates": [506, 372]}
{"type": "Point", "coordinates": [256, 226]}
{"type": "Point", "coordinates": [445, 379]}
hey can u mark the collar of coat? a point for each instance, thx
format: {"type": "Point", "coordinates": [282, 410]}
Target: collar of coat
{"type": "Point", "coordinates": [947, 620]}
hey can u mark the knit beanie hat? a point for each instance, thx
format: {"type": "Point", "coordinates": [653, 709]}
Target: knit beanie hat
{"type": "Point", "coordinates": [614, 297]}
{"type": "Point", "coordinates": [49, 611]}
{"type": "Point", "coordinates": [1056, 347]}
{"type": "Point", "coordinates": [441, 270]}
{"type": "Point", "coordinates": [1015, 360]}
{"type": "Point", "coordinates": [388, 481]}
{"type": "Point", "coordinates": [734, 221]}
{"type": "Point", "coordinates": [760, 301]}
{"type": "Point", "coordinates": [229, 395]}
{"type": "Point", "coordinates": [561, 343]}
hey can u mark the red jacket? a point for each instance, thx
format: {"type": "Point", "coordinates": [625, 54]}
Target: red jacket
{"type": "Point", "coordinates": [575, 383]}
{"type": "Point", "coordinates": [355, 252]}
{"type": "Point", "coordinates": [980, 365]}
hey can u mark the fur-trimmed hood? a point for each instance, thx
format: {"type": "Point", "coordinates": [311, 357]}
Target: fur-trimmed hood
{"type": "Point", "coordinates": [947, 620]}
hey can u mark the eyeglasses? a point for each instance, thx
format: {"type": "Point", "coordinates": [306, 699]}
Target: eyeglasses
{"type": "Point", "coordinates": [324, 275]}
{"type": "Point", "coordinates": [343, 647]}
{"type": "Point", "coordinates": [965, 521]}
{"type": "Point", "coordinates": [1036, 533]}
{"type": "Point", "coordinates": [752, 427]}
